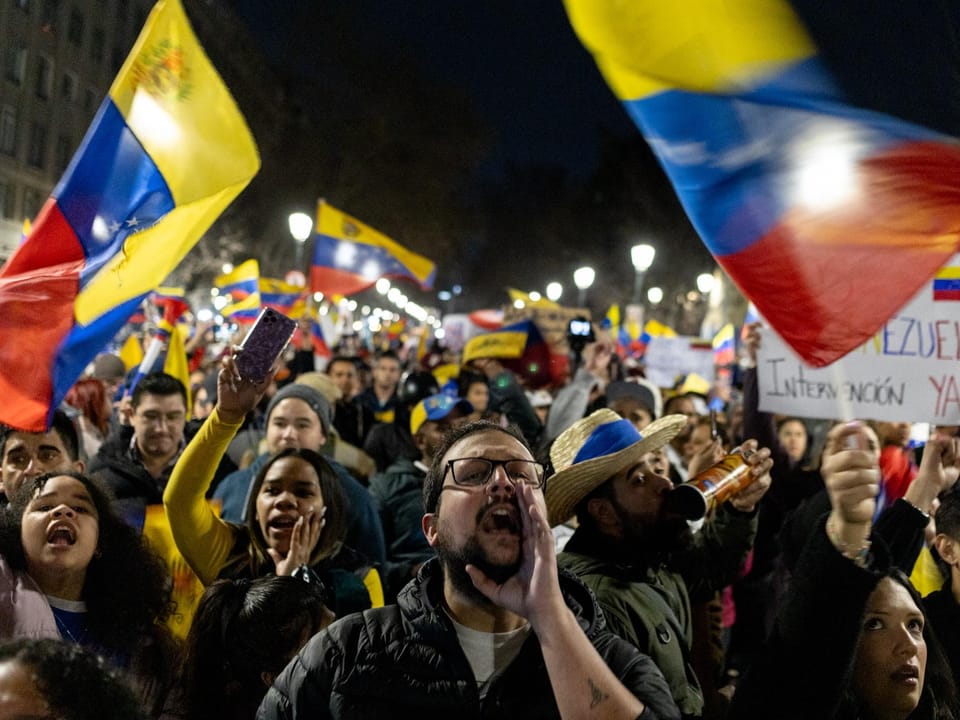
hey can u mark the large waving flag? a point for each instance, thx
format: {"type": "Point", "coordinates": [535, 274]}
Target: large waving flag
{"type": "Point", "coordinates": [828, 216]}
{"type": "Point", "coordinates": [291, 300]}
{"type": "Point", "coordinates": [167, 151]}
{"type": "Point", "coordinates": [242, 284]}
{"type": "Point", "coordinates": [349, 257]}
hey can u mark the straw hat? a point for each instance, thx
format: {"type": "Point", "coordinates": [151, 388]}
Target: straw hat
{"type": "Point", "coordinates": [596, 448]}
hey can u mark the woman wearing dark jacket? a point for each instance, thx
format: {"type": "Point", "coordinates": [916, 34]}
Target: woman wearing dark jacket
{"type": "Point", "coordinates": [852, 641]}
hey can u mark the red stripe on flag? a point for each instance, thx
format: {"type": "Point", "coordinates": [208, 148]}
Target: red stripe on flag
{"type": "Point", "coordinates": [946, 294]}
{"type": "Point", "coordinates": [330, 281]}
{"type": "Point", "coordinates": [38, 287]}
{"type": "Point", "coordinates": [827, 280]}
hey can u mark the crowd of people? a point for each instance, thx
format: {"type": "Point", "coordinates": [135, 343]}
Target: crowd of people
{"type": "Point", "coordinates": [380, 533]}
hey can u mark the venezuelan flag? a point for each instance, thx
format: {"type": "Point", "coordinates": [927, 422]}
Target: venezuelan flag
{"type": "Point", "coordinates": [794, 190]}
{"type": "Point", "coordinates": [291, 300]}
{"type": "Point", "coordinates": [242, 284]}
{"type": "Point", "coordinates": [724, 346]}
{"type": "Point", "coordinates": [946, 284]}
{"type": "Point", "coordinates": [167, 151]}
{"type": "Point", "coordinates": [349, 257]}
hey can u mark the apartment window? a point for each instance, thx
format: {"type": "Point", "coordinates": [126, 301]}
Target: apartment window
{"type": "Point", "coordinates": [44, 73]}
{"type": "Point", "coordinates": [22, 5]}
{"type": "Point", "coordinates": [15, 64]}
{"type": "Point", "coordinates": [32, 202]}
{"type": "Point", "coordinates": [89, 100]}
{"type": "Point", "coordinates": [68, 87]}
{"type": "Point", "coordinates": [64, 151]}
{"type": "Point", "coordinates": [96, 44]}
{"type": "Point", "coordinates": [75, 28]}
{"type": "Point", "coordinates": [8, 130]}
{"type": "Point", "coordinates": [37, 154]}
{"type": "Point", "coordinates": [7, 198]}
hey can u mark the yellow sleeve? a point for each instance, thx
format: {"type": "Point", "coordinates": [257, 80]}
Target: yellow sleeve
{"type": "Point", "coordinates": [204, 540]}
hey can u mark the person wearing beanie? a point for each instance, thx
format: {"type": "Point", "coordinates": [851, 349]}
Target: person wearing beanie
{"type": "Point", "coordinates": [301, 509]}
{"type": "Point", "coordinates": [298, 416]}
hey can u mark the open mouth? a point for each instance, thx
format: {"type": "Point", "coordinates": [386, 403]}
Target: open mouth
{"type": "Point", "coordinates": [62, 535]}
{"type": "Point", "coordinates": [908, 674]}
{"type": "Point", "coordinates": [502, 519]}
{"type": "Point", "coordinates": [282, 523]}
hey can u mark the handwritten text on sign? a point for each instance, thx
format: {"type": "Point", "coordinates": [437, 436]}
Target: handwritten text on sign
{"type": "Point", "coordinates": [909, 371]}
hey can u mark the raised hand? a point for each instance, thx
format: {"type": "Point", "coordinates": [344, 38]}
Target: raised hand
{"type": "Point", "coordinates": [534, 591]}
{"type": "Point", "coordinates": [851, 472]}
{"type": "Point", "coordinates": [306, 535]}
{"type": "Point", "coordinates": [236, 396]}
{"type": "Point", "coordinates": [760, 465]}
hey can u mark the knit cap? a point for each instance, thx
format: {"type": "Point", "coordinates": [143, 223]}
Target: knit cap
{"type": "Point", "coordinates": [311, 397]}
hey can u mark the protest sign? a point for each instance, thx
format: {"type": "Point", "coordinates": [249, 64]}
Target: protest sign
{"type": "Point", "coordinates": [668, 357]}
{"type": "Point", "coordinates": [908, 372]}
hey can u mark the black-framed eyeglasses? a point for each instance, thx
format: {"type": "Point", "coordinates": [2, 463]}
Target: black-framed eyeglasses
{"type": "Point", "coordinates": [477, 471]}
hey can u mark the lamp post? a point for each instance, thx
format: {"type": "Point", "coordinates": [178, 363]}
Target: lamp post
{"type": "Point", "coordinates": [642, 258]}
{"type": "Point", "coordinates": [554, 291]}
{"type": "Point", "coordinates": [583, 278]}
{"type": "Point", "coordinates": [301, 225]}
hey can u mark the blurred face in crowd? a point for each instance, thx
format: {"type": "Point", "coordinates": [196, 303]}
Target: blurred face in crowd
{"type": "Point", "coordinates": [290, 490]}
{"type": "Point", "coordinates": [30, 455]}
{"type": "Point", "coordinates": [696, 442]}
{"type": "Point", "coordinates": [633, 410]}
{"type": "Point", "coordinates": [294, 424]}
{"type": "Point", "coordinates": [891, 660]}
{"type": "Point", "coordinates": [345, 377]}
{"type": "Point", "coordinates": [478, 395]}
{"type": "Point", "coordinates": [793, 438]}
{"type": "Point", "coordinates": [386, 374]}
{"type": "Point", "coordinates": [158, 422]}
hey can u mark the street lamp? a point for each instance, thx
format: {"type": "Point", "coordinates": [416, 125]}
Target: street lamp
{"type": "Point", "coordinates": [554, 291]}
{"type": "Point", "coordinates": [642, 258]}
{"type": "Point", "coordinates": [301, 225]}
{"type": "Point", "coordinates": [583, 278]}
{"type": "Point", "coordinates": [655, 295]}
{"type": "Point", "coordinates": [705, 283]}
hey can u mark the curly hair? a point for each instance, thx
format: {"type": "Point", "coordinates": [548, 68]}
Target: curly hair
{"type": "Point", "coordinates": [127, 588]}
{"type": "Point", "coordinates": [243, 630]}
{"type": "Point", "coordinates": [76, 683]}
{"type": "Point", "coordinates": [335, 519]}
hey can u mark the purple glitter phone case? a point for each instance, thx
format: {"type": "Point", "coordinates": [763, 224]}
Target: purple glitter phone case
{"type": "Point", "coordinates": [263, 344]}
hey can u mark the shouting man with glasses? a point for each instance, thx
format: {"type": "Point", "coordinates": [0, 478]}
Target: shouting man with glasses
{"type": "Point", "coordinates": [489, 625]}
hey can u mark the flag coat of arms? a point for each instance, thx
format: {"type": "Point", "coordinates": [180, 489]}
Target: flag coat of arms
{"type": "Point", "coordinates": [349, 257]}
{"type": "Point", "coordinates": [828, 216]}
{"type": "Point", "coordinates": [167, 151]}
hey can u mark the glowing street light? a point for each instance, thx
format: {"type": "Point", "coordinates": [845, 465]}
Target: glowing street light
{"type": "Point", "coordinates": [301, 225]}
{"type": "Point", "coordinates": [705, 283]}
{"type": "Point", "coordinates": [642, 258]}
{"type": "Point", "coordinates": [554, 291]}
{"type": "Point", "coordinates": [655, 295]}
{"type": "Point", "coordinates": [583, 278]}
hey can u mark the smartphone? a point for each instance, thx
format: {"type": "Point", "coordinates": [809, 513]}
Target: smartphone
{"type": "Point", "coordinates": [264, 344]}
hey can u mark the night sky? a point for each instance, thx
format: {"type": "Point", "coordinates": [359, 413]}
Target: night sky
{"type": "Point", "coordinates": [522, 65]}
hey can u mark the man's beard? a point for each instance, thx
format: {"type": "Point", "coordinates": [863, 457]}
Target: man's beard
{"type": "Point", "coordinates": [455, 560]}
{"type": "Point", "coordinates": [656, 539]}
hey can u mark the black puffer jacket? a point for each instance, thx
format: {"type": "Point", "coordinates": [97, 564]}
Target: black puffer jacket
{"type": "Point", "coordinates": [404, 661]}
